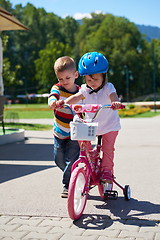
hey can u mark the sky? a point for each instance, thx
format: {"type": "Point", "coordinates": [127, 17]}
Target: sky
{"type": "Point", "coordinates": [143, 12]}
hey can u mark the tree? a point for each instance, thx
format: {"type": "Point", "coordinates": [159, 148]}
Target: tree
{"type": "Point", "coordinates": [24, 46]}
{"type": "Point", "coordinates": [45, 75]}
{"type": "Point", "coordinates": [118, 39]}
{"type": "Point", "coordinates": [69, 29]}
{"type": "Point", "coordinates": [9, 76]}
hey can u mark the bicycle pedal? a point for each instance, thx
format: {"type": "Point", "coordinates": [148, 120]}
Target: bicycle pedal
{"type": "Point", "coordinates": [111, 194]}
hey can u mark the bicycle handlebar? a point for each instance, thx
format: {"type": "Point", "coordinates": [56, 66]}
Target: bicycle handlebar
{"type": "Point", "coordinates": [92, 108]}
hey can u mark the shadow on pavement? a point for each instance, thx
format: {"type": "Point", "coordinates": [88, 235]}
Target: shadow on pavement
{"type": "Point", "coordinates": [100, 222]}
{"type": "Point", "coordinates": [133, 212]}
{"type": "Point", "coordinates": [21, 151]}
{"type": "Point", "coordinates": [95, 221]}
{"type": "Point", "coordinates": [12, 171]}
{"type": "Point", "coordinates": [132, 209]}
{"type": "Point", "coordinates": [11, 154]}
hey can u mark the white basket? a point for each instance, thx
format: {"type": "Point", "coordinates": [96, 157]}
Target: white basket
{"type": "Point", "coordinates": [83, 131]}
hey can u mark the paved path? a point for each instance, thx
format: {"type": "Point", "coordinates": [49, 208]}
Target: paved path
{"type": "Point", "coordinates": [89, 227]}
{"type": "Point", "coordinates": [30, 203]}
{"type": "Point", "coordinates": [41, 121]}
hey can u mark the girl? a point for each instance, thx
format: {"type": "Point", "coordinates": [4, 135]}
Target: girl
{"type": "Point", "coordinates": [97, 90]}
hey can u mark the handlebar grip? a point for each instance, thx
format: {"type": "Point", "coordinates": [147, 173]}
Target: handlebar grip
{"type": "Point", "coordinates": [122, 106]}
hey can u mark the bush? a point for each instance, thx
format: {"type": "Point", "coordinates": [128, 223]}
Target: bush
{"type": "Point", "coordinates": [131, 111]}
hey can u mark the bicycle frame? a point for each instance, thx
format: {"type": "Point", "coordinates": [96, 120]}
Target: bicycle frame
{"type": "Point", "coordinates": [91, 162]}
{"type": "Point", "coordinates": [88, 175]}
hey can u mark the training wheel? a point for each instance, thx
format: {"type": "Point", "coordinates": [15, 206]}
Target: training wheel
{"type": "Point", "coordinates": [127, 192]}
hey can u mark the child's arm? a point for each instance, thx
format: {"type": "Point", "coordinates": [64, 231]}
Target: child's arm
{"type": "Point", "coordinates": [74, 98]}
{"type": "Point", "coordinates": [70, 100]}
{"type": "Point", "coordinates": [53, 97]}
{"type": "Point", "coordinates": [52, 104]}
{"type": "Point", "coordinates": [115, 101]}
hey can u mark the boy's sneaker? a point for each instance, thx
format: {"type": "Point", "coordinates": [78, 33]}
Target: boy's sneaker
{"type": "Point", "coordinates": [64, 194]}
{"type": "Point", "coordinates": [107, 177]}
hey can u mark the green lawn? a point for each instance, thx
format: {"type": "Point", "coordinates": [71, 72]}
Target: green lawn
{"type": "Point", "coordinates": [25, 126]}
{"type": "Point", "coordinates": [146, 115]}
{"type": "Point", "coordinates": [18, 106]}
{"type": "Point", "coordinates": [30, 111]}
{"type": "Point", "coordinates": [8, 131]}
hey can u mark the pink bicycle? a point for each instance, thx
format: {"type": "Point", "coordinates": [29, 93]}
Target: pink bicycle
{"type": "Point", "coordinates": [85, 173]}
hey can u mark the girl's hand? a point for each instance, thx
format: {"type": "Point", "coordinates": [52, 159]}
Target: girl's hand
{"type": "Point", "coordinates": [117, 105]}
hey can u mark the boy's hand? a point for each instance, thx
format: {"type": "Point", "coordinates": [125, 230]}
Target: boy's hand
{"type": "Point", "coordinates": [59, 103]}
{"type": "Point", "coordinates": [56, 104]}
{"type": "Point", "coordinates": [52, 105]}
{"type": "Point", "coordinates": [117, 105]}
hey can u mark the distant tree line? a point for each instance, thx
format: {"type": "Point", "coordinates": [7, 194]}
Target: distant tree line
{"type": "Point", "coordinates": [29, 56]}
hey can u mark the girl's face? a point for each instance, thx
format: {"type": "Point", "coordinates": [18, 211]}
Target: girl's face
{"type": "Point", "coordinates": [94, 81]}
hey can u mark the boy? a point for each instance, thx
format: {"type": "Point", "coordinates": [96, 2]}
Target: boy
{"type": "Point", "coordinates": [66, 151]}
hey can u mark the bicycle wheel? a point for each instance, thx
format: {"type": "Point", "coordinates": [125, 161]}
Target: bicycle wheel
{"type": "Point", "coordinates": [102, 187]}
{"type": "Point", "coordinates": [76, 196]}
{"type": "Point", "coordinates": [127, 192]}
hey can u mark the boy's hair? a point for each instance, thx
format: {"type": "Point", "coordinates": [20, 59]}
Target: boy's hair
{"type": "Point", "coordinates": [64, 63]}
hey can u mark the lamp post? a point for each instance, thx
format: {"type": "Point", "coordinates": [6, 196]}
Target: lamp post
{"type": "Point", "coordinates": [154, 75]}
{"type": "Point", "coordinates": [127, 82]}
{"type": "Point", "coordinates": [129, 76]}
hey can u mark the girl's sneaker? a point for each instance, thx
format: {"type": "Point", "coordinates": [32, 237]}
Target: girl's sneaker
{"type": "Point", "coordinates": [107, 176]}
{"type": "Point", "coordinates": [107, 179]}
{"type": "Point", "coordinates": [107, 187]}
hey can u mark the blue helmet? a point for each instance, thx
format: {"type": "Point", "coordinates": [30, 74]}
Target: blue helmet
{"type": "Point", "coordinates": [91, 63]}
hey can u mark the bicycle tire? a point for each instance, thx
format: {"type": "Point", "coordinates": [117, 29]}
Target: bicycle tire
{"type": "Point", "coordinates": [77, 201]}
{"type": "Point", "coordinates": [127, 192]}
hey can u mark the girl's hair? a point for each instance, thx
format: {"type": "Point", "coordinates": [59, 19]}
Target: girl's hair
{"type": "Point", "coordinates": [64, 63]}
{"type": "Point", "coordinates": [105, 78]}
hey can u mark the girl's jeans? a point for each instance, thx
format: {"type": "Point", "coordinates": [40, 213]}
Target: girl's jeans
{"type": "Point", "coordinates": [66, 152]}
{"type": "Point", "coordinates": [108, 141]}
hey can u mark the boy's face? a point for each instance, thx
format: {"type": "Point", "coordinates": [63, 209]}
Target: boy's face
{"type": "Point", "coordinates": [94, 81]}
{"type": "Point", "coordinates": [67, 79]}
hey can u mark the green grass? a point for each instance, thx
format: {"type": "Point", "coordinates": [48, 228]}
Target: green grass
{"type": "Point", "coordinates": [20, 106]}
{"type": "Point", "coordinates": [27, 111]}
{"type": "Point", "coordinates": [28, 114]}
{"type": "Point", "coordinates": [8, 131]}
{"type": "Point", "coordinates": [29, 126]}
{"type": "Point", "coordinates": [146, 115]}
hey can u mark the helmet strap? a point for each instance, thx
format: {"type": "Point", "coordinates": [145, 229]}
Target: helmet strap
{"type": "Point", "coordinates": [99, 88]}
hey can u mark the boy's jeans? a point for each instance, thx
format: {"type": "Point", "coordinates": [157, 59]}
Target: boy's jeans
{"type": "Point", "coordinates": [66, 152]}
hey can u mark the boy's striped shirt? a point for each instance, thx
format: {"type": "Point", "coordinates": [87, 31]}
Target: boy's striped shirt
{"type": "Point", "coordinates": [62, 116]}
